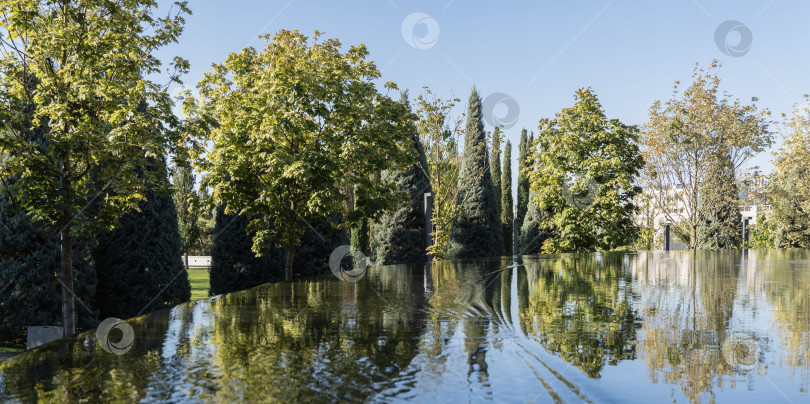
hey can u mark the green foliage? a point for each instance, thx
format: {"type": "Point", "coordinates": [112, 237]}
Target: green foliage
{"type": "Point", "coordinates": [292, 126]}
{"type": "Point", "coordinates": [139, 265]}
{"type": "Point", "coordinates": [80, 73]}
{"type": "Point", "coordinates": [495, 164]}
{"type": "Point", "coordinates": [790, 186]}
{"type": "Point", "coordinates": [443, 164]}
{"type": "Point", "coordinates": [507, 210]}
{"type": "Point", "coordinates": [95, 128]}
{"type": "Point", "coordinates": [764, 234]}
{"type": "Point", "coordinates": [645, 218]}
{"type": "Point", "coordinates": [579, 311]}
{"type": "Point", "coordinates": [399, 236]}
{"type": "Point", "coordinates": [524, 148]}
{"type": "Point", "coordinates": [317, 244]}
{"type": "Point", "coordinates": [719, 207]}
{"type": "Point", "coordinates": [645, 240]}
{"type": "Point", "coordinates": [361, 240]}
{"type": "Point", "coordinates": [583, 171]}
{"type": "Point", "coordinates": [681, 142]}
{"type": "Point", "coordinates": [234, 266]}
{"type": "Point", "coordinates": [29, 278]}
{"type": "Point", "coordinates": [188, 205]}
{"type": "Point", "coordinates": [361, 232]}
{"type": "Point", "coordinates": [793, 221]}
{"type": "Point", "coordinates": [206, 223]}
{"type": "Point", "coordinates": [476, 230]}
{"type": "Point", "coordinates": [533, 233]}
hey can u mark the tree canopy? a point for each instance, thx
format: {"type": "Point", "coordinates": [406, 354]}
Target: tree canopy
{"type": "Point", "coordinates": [583, 171]}
{"type": "Point", "coordinates": [507, 213]}
{"type": "Point", "coordinates": [78, 73]}
{"type": "Point", "coordinates": [789, 193]}
{"type": "Point", "coordinates": [476, 229]}
{"type": "Point", "coordinates": [682, 139]}
{"type": "Point", "coordinates": [293, 125]}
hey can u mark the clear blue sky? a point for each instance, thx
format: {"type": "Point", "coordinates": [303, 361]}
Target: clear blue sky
{"type": "Point", "coordinates": [536, 52]}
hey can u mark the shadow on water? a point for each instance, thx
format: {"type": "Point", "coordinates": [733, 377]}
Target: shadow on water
{"type": "Point", "coordinates": [680, 325]}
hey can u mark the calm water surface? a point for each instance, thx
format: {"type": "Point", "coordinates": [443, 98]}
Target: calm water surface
{"type": "Point", "coordinates": [648, 327]}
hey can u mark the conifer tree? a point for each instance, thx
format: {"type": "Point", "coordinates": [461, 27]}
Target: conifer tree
{"type": "Point", "coordinates": [789, 188]}
{"type": "Point", "coordinates": [507, 214]}
{"type": "Point", "coordinates": [399, 236]}
{"type": "Point", "coordinates": [495, 163]}
{"type": "Point", "coordinates": [522, 179]}
{"type": "Point", "coordinates": [234, 266]}
{"type": "Point", "coordinates": [139, 264]}
{"type": "Point", "coordinates": [533, 233]}
{"type": "Point", "coordinates": [718, 205]}
{"type": "Point", "coordinates": [317, 244]}
{"type": "Point", "coordinates": [30, 290]}
{"type": "Point", "coordinates": [476, 230]}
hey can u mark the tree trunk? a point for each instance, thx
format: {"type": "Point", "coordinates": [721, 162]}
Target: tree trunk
{"type": "Point", "coordinates": [288, 266]}
{"type": "Point", "coordinates": [68, 301]}
{"type": "Point", "coordinates": [186, 261]}
{"type": "Point", "coordinates": [693, 237]}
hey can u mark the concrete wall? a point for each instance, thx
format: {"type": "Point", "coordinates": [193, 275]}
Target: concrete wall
{"type": "Point", "coordinates": [198, 261]}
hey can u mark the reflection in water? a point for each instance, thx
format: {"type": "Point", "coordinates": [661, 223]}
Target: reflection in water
{"type": "Point", "coordinates": [682, 326]}
{"type": "Point", "coordinates": [580, 307]}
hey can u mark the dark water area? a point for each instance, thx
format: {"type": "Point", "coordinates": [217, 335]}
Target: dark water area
{"type": "Point", "coordinates": [680, 326]}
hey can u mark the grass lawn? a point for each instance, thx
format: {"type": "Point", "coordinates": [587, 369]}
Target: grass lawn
{"type": "Point", "coordinates": [6, 349]}
{"type": "Point", "coordinates": [198, 278]}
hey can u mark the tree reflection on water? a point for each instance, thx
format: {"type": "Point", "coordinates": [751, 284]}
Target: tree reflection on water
{"type": "Point", "coordinates": [562, 327]}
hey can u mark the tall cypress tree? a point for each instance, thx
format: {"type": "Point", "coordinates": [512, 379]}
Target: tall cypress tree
{"type": "Point", "coordinates": [506, 200]}
{"type": "Point", "coordinates": [399, 236]}
{"type": "Point", "coordinates": [495, 164]}
{"type": "Point", "coordinates": [476, 230]}
{"type": "Point", "coordinates": [523, 179]}
{"type": "Point", "coordinates": [30, 290]}
{"type": "Point", "coordinates": [718, 205]}
{"type": "Point", "coordinates": [139, 263]}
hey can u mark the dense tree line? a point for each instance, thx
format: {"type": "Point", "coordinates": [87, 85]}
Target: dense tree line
{"type": "Point", "coordinates": [306, 155]}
